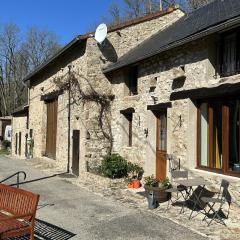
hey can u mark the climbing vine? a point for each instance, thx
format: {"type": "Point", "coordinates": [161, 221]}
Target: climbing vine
{"type": "Point", "coordinates": [82, 92]}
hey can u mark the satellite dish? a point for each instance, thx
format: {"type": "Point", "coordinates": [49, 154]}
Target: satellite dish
{"type": "Point", "coordinates": [101, 33]}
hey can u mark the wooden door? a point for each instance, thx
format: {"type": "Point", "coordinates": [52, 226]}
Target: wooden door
{"type": "Point", "coordinates": [20, 143]}
{"type": "Point", "coordinates": [26, 145]}
{"type": "Point", "coordinates": [51, 129]}
{"type": "Point", "coordinates": [16, 143]}
{"type": "Point", "coordinates": [161, 145]}
{"type": "Point", "coordinates": [75, 152]}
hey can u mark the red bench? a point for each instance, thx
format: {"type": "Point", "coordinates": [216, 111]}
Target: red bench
{"type": "Point", "coordinates": [17, 212]}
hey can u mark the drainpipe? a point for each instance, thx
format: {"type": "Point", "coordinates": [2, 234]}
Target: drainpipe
{"type": "Point", "coordinates": [69, 116]}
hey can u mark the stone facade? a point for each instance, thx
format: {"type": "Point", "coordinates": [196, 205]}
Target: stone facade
{"type": "Point", "coordinates": [197, 62]}
{"type": "Point", "coordinates": [87, 60]}
{"type": "Point", "coordinates": [19, 135]}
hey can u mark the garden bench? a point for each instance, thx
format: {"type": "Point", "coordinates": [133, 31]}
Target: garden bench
{"type": "Point", "coordinates": [17, 212]}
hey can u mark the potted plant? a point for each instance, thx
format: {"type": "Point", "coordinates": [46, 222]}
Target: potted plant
{"type": "Point", "coordinates": [134, 174]}
{"type": "Point", "coordinates": [153, 185]}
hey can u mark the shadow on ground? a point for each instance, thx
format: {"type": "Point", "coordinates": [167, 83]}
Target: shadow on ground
{"type": "Point", "coordinates": [47, 231]}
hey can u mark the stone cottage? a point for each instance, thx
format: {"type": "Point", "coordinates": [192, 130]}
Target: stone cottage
{"type": "Point", "coordinates": [183, 101]}
{"type": "Point", "coordinates": [20, 132]}
{"type": "Point", "coordinates": [69, 130]}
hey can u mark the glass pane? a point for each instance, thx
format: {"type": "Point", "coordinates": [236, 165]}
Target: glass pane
{"type": "Point", "coordinates": [234, 159]}
{"type": "Point", "coordinates": [217, 135]}
{"type": "Point", "coordinates": [204, 134]}
{"type": "Point", "coordinates": [163, 133]}
{"type": "Point", "coordinates": [229, 55]}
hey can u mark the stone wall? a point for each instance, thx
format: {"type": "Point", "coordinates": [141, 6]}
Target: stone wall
{"type": "Point", "coordinates": [86, 60]}
{"type": "Point", "coordinates": [197, 59]}
{"type": "Point", "coordinates": [19, 125]}
{"type": "Point", "coordinates": [38, 109]}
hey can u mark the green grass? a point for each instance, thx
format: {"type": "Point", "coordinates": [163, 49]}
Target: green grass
{"type": "Point", "coordinates": [4, 152]}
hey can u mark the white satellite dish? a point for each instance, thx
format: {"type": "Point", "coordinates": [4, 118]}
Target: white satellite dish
{"type": "Point", "coordinates": [101, 33]}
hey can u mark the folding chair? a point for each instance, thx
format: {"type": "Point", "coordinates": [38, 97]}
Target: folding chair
{"type": "Point", "coordinates": [179, 189]}
{"type": "Point", "coordinates": [223, 196]}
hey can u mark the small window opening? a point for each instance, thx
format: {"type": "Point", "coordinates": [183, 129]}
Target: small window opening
{"type": "Point", "coordinates": [132, 81]}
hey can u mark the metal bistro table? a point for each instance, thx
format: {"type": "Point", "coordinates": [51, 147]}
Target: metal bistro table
{"type": "Point", "coordinates": [193, 196]}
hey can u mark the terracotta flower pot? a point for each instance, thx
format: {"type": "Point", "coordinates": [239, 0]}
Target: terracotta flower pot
{"type": "Point", "coordinates": [136, 184]}
{"type": "Point", "coordinates": [130, 185]}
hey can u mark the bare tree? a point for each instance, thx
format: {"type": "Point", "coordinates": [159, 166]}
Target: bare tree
{"type": "Point", "coordinates": [134, 8]}
{"type": "Point", "coordinates": [115, 13]}
{"type": "Point", "coordinates": [151, 6]}
{"type": "Point", "coordinates": [39, 46]}
{"type": "Point", "coordinates": [9, 38]}
{"type": "Point", "coordinates": [19, 54]}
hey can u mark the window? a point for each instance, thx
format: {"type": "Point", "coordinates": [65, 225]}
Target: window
{"type": "Point", "coordinates": [132, 80]}
{"type": "Point", "coordinates": [219, 135]}
{"type": "Point", "coordinates": [162, 132]}
{"type": "Point", "coordinates": [230, 53]}
{"type": "Point", "coordinates": [27, 124]}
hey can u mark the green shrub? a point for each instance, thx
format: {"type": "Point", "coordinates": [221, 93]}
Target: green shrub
{"type": "Point", "coordinates": [164, 184]}
{"type": "Point", "coordinates": [6, 144]}
{"type": "Point", "coordinates": [114, 166]}
{"type": "Point", "coordinates": [134, 170]}
{"type": "Point", "coordinates": [151, 181]}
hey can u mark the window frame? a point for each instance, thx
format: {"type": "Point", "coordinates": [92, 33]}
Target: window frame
{"type": "Point", "coordinates": [221, 53]}
{"type": "Point", "coordinates": [225, 137]}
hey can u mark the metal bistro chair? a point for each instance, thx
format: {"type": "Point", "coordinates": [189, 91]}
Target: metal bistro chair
{"type": "Point", "coordinates": [181, 191]}
{"type": "Point", "coordinates": [223, 196]}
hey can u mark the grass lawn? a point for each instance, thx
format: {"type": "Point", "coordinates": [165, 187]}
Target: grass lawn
{"type": "Point", "coordinates": [4, 152]}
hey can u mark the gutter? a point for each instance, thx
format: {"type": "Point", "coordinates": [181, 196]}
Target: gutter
{"type": "Point", "coordinates": [178, 43]}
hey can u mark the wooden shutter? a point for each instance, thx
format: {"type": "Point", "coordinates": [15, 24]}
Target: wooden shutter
{"type": "Point", "coordinates": [51, 129]}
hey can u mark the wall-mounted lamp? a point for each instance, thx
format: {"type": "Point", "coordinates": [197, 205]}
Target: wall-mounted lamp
{"type": "Point", "coordinates": [88, 135]}
{"type": "Point", "coordinates": [146, 132]}
{"type": "Point", "coordinates": [77, 117]}
{"type": "Point", "coordinates": [155, 99]}
{"type": "Point", "coordinates": [119, 33]}
{"type": "Point", "coordinates": [180, 120]}
{"type": "Point", "coordinates": [42, 89]}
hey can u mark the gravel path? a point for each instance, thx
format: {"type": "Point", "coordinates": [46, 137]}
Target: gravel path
{"type": "Point", "coordinates": [75, 213]}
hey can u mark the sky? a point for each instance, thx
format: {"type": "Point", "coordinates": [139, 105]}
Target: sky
{"type": "Point", "coordinates": [67, 18]}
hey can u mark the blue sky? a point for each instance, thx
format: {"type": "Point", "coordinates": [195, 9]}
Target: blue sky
{"type": "Point", "coordinates": [67, 18]}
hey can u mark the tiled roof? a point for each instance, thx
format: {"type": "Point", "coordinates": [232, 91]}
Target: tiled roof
{"type": "Point", "coordinates": [199, 23]}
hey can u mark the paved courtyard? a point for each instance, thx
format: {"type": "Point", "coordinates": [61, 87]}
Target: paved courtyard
{"type": "Point", "coordinates": [67, 211]}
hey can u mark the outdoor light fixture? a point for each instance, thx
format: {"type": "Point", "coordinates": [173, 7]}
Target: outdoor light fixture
{"type": "Point", "coordinates": [146, 132]}
{"type": "Point", "coordinates": [155, 99]}
{"type": "Point", "coordinates": [88, 135]}
{"type": "Point", "coordinates": [180, 120]}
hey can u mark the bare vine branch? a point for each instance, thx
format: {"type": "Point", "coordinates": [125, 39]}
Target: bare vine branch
{"type": "Point", "coordinates": [85, 93]}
